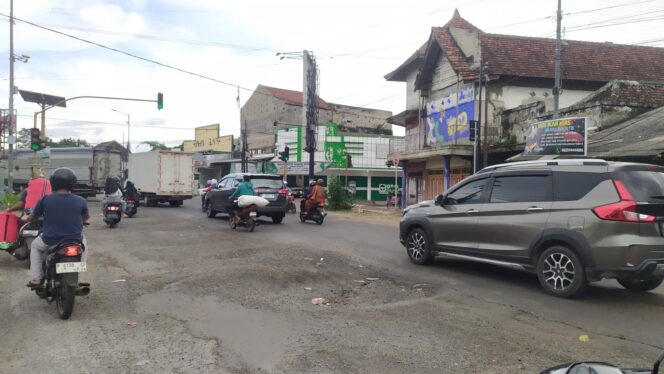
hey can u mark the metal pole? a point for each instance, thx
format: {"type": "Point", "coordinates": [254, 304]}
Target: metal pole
{"type": "Point", "coordinates": [485, 147]}
{"type": "Point", "coordinates": [128, 126]}
{"type": "Point", "coordinates": [556, 84]}
{"type": "Point", "coordinates": [479, 121]}
{"type": "Point", "coordinates": [10, 162]}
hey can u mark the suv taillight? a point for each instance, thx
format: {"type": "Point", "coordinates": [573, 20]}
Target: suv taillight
{"type": "Point", "coordinates": [624, 210]}
{"type": "Point", "coordinates": [283, 192]}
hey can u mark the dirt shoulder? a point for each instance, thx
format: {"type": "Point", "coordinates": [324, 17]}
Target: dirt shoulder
{"type": "Point", "coordinates": [369, 215]}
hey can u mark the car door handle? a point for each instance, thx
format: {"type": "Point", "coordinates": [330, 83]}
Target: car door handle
{"type": "Point", "coordinates": [472, 211]}
{"type": "Point", "coordinates": [534, 209]}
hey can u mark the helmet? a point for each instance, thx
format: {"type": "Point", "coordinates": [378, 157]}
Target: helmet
{"type": "Point", "coordinates": [312, 182]}
{"type": "Point", "coordinates": [209, 182]}
{"type": "Point", "coordinates": [285, 183]}
{"type": "Point", "coordinates": [320, 182]}
{"type": "Point", "coordinates": [63, 178]}
{"type": "Point", "coordinates": [213, 181]}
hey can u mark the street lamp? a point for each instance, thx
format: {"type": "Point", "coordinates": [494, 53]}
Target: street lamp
{"type": "Point", "coordinates": [128, 125]}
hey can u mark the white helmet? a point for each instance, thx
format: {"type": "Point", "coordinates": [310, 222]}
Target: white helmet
{"type": "Point", "coordinates": [213, 181]}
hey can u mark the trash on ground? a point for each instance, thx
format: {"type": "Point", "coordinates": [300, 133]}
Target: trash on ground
{"type": "Point", "coordinates": [361, 282]}
{"type": "Point", "coordinates": [319, 301]}
{"type": "Point", "coordinates": [119, 280]}
{"type": "Point", "coordinates": [584, 338]}
{"type": "Point", "coordinates": [132, 324]}
{"type": "Point", "coordinates": [322, 259]}
{"type": "Point", "coordinates": [307, 288]}
{"type": "Point", "coordinates": [372, 279]}
{"type": "Point", "coordinates": [420, 285]}
{"type": "Point", "coordinates": [308, 259]}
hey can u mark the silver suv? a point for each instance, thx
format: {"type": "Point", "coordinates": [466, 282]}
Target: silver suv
{"type": "Point", "coordinates": [569, 221]}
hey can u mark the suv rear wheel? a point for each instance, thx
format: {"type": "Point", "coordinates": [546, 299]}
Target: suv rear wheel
{"type": "Point", "coordinates": [641, 285]}
{"type": "Point", "coordinates": [560, 272]}
{"type": "Point", "coordinates": [417, 246]}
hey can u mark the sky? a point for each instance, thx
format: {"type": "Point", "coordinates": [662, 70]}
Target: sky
{"type": "Point", "coordinates": [236, 44]}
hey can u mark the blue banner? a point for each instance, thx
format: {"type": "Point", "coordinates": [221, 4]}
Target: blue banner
{"type": "Point", "coordinates": [448, 118]}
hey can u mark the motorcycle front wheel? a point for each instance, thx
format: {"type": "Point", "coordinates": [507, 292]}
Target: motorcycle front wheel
{"type": "Point", "coordinates": [64, 300]}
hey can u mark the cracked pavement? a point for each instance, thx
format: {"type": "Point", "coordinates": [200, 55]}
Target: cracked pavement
{"type": "Point", "coordinates": [174, 291]}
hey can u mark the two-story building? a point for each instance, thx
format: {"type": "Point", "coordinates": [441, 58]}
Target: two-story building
{"type": "Point", "coordinates": [269, 109]}
{"type": "Point", "coordinates": [443, 93]}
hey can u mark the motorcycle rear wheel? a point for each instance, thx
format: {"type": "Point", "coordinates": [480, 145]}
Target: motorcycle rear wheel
{"type": "Point", "coordinates": [251, 224]}
{"type": "Point", "coordinates": [64, 300]}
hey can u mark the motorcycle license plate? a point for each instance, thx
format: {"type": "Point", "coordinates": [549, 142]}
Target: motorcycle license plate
{"type": "Point", "coordinates": [111, 216]}
{"type": "Point", "coordinates": [30, 232]}
{"type": "Point", "coordinates": [71, 267]}
{"type": "Point", "coordinates": [269, 196]}
{"type": "Point", "coordinates": [252, 214]}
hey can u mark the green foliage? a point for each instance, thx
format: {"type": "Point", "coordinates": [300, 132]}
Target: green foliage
{"type": "Point", "coordinates": [157, 145]}
{"type": "Point", "coordinates": [8, 199]}
{"type": "Point", "coordinates": [67, 142]}
{"type": "Point", "coordinates": [337, 196]}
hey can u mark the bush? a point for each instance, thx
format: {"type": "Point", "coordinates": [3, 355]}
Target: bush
{"type": "Point", "coordinates": [337, 196]}
{"type": "Point", "coordinates": [8, 199]}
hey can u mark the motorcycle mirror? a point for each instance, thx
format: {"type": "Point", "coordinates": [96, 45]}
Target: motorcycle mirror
{"type": "Point", "coordinates": [592, 367]}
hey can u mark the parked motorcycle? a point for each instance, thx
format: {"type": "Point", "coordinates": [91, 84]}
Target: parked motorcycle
{"type": "Point", "coordinates": [316, 214]}
{"type": "Point", "coordinates": [602, 368]}
{"type": "Point", "coordinates": [113, 214]}
{"type": "Point", "coordinates": [244, 217]}
{"type": "Point", "coordinates": [131, 208]}
{"type": "Point", "coordinates": [61, 268]}
{"type": "Point", "coordinates": [291, 203]}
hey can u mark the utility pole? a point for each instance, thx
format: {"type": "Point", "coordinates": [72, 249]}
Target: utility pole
{"type": "Point", "coordinates": [476, 149]}
{"type": "Point", "coordinates": [485, 147]}
{"type": "Point", "coordinates": [556, 84]}
{"type": "Point", "coordinates": [244, 148]}
{"type": "Point", "coordinates": [10, 132]}
{"type": "Point", "coordinates": [310, 107]}
{"type": "Point", "coordinates": [128, 126]}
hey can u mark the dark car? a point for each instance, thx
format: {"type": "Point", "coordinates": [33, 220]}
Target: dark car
{"type": "Point", "coordinates": [270, 187]}
{"type": "Point", "coordinates": [571, 222]}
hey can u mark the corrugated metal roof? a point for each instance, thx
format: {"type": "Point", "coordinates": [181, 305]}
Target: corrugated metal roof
{"type": "Point", "coordinates": [642, 135]}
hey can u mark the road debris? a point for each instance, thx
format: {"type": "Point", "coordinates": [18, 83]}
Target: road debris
{"type": "Point", "coordinates": [132, 324]}
{"type": "Point", "coordinates": [370, 279]}
{"type": "Point", "coordinates": [319, 301]}
{"type": "Point", "coordinates": [361, 282]}
{"type": "Point", "coordinates": [307, 288]}
{"type": "Point", "coordinates": [119, 280]}
{"type": "Point", "coordinates": [584, 339]}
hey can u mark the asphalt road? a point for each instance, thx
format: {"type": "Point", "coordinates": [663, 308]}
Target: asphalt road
{"type": "Point", "coordinates": [174, 291]}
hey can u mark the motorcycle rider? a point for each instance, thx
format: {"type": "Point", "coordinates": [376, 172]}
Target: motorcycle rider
{"type": "Point", "coordinates": [305, 193]}
{"type": "Point", "coordinates": [113, 193]}
{"type": "Point", "coordinates": [64, 214]}
{"type": "Point", "coordinates": [130, 191]}
{"type": "Point", "coordinates": [37, 188]}
{"type": "Point", "coordinates": [316, 196]}
{"type": "Point", "coordinates": [244, 188]}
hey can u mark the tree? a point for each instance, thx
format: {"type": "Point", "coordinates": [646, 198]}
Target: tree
{"type": "Point", "coordinates": [337, 196]}
{"type": "Point", "coordinates": [67, 142]}
{"type": "Point", "coordinates": [155, 145]}
{"type": "Point", "coordinates": [23, 138]}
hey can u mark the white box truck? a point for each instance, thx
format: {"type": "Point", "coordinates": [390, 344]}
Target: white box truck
{"type": "Point", "coordinates": [162, 176]}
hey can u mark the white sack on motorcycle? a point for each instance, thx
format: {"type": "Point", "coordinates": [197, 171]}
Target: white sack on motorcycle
{"type": "Point", "coordinates": [246, 200]}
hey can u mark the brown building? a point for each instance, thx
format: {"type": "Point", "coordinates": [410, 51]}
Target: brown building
{"type": "Point", "coordinates": [443, 93]}
{"type": "Point", "coordinates": [270, 108]}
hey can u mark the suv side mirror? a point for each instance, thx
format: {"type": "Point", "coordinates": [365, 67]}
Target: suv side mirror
{"type": "Point", "coordinates": [440, 199]}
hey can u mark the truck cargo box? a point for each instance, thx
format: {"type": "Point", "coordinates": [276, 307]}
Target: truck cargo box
{"type": "Point", "coordinates": [162, 173]}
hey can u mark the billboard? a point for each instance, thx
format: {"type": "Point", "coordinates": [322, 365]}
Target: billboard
{"type": "Point", "coordinates": [448, 118]}
{"type": "Point", "coordinates": [206, 138]}
{"type": "Point", "coordinates": [563, 136]}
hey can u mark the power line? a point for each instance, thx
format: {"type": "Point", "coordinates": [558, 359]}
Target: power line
{"type": "Point", "coordinates": [133, 124]}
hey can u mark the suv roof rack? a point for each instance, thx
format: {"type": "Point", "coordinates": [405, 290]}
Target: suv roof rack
{"type": "Point", "coordinates": [559, 162]}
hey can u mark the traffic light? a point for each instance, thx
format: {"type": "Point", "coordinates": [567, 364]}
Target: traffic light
{"type": "Point", "coordinates": [474, 130]}
{"type": "Point", "coordinates": [285, 155]}
{"type": "Point", "coordinates": [35, 139]}
{"type": "Point", "coordinates": [160, 101]}
{"type": "Point", "coordinates": [349, 161]}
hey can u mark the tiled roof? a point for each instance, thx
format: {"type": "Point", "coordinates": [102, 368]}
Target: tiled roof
{"type": "Point", "coordinates": [292, 97]}
{"type": "Point", "coordinates": [523, 56]}
{"type": "Point", "coordinates": [638, 137]}
{"type": "Point", "coordinates": [628, 92]}
{"type": "Point", "coordinates": [584, 61]}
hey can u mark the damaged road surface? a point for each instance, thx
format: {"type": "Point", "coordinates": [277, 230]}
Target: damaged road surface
{"type": "Point", "coordinates": [174, 291]}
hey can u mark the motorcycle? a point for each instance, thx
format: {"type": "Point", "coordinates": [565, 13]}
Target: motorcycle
{"type": "Point", "coordinates": [244, 217]}
{"type": "Point", "coordinates": [131, 208]}
{"type": "Point", "coordinates": [602, 368]}
{"type": "Point", "coordinates": [316, 214]}
{"type": "Point", "coordinates": [291, 203]}
{"type": "Point", "coordinates": [61, 268]}
{"type": "Point", "coordinates": [113, 214]}
{"type": "Point", "coordinates": [26, 234]}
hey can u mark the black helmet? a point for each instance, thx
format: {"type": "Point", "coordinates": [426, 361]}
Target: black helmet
{"type": "Point", "coordinates": [63, 178]}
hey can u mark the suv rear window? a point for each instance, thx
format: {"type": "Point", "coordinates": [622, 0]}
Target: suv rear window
{"type": "Point", "coordinates": [572, 186]}
{"type": "Point", "coordinates": [262, 182]}
{"type": "Point", "coordinates": [645, 186]}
